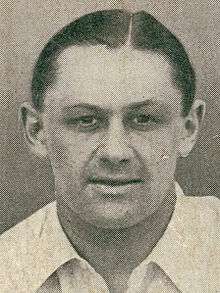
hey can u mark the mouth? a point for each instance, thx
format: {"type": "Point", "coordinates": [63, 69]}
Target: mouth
{"type": "Point", "coordinates": [111, 182]}
{"type": "Point", "coordinates": [112, 188]}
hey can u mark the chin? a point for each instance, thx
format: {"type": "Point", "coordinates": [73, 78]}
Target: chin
{"type": "Point", "coordinates": [112, 224]}
{"type": "Point", "coordinates": [117, 218]}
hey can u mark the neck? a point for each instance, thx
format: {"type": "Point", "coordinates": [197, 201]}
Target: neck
{"type": "Point", "coordinates": [120, 250]}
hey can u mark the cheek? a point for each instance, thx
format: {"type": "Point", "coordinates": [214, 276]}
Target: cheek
{"type": "Point", "coordinates": [157, 148]}
{"type": "Point", "coordinates": [68, 150]}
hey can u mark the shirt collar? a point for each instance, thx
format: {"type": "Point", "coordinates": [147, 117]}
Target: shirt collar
{"type": "Point", "coordinates": [170, 251]}
{"type": "Point", "coordinates": [54, 249]}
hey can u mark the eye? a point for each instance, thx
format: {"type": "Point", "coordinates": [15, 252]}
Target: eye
{"type": "Point", "coordinates": [87, 121]}
{"type": "Point", "coordinates": [83, 123]}
{"type": "Point", "coordinates": [143, 121]}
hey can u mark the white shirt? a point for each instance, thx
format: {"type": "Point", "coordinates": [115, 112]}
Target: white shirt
{"type": "Point", "coordinates": [36, 256]}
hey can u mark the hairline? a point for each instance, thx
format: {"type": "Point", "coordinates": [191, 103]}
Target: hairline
{"type": "Point", "coordinates": [58, 53]}
{"type": "Point", "coordinates": [178, 77]}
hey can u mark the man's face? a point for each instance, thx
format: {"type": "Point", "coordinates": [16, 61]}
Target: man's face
{"type": "Point", "coordinates": [112, 122]}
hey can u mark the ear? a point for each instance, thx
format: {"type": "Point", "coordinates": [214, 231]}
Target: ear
{"type": "Point", "coordinates": [191, 125]}
{"type": "Point", "coordinates": [33, 129]}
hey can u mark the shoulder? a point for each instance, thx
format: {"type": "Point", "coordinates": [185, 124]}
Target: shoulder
{"type": "Point", "coordinates": [212, 203]}
{"type": "Point", "coordinates": [202, 226]}
{"type": "Point", "coordinates": [195, 235]}
{"type": "Point", "coordinates": [203, 209]}
{"type": "Point", "coordinates": [18, 246]}
{"type": "Point", "coordinates": [19, 233]}
{"type": "Point", "coordinates": [201, 217]}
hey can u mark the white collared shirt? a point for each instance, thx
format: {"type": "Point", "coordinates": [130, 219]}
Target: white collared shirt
{"type": "Point", "coordinates": [36, 256]}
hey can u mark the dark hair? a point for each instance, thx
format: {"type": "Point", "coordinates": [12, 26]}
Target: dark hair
{"type": "Point", "coordinates": [112, 28]}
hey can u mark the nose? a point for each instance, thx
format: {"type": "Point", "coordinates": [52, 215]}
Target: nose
{"type": "Point", "coordinates": [115, 149]}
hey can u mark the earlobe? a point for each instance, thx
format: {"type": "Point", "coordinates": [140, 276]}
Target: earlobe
{"type": "Point", "coordinates": [191, 126]}
{"type": "Point", "coordinates": [33, 129]}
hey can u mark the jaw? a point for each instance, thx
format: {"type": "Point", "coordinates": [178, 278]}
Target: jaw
{"type": "Point", "coordinates": [113, 210]}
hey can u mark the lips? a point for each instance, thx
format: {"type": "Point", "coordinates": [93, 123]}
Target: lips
{"type": "Point", "coordinates": [112, 188]}
{"type": "Point", "coordinates": [109, 181]}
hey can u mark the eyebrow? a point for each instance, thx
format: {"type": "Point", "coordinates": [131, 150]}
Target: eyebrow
{"type": "Point", "coordinates": [150, 102]}
{"type": "Point", "coordinates": [68, 109]}
{"type": "Point", "coordinates": [132, 106]}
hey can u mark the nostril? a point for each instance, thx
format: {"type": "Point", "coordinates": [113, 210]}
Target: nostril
{"type": "Point", "coordinates": [113, 162]}
{"type": "Point", "coordinates": [124, 161]}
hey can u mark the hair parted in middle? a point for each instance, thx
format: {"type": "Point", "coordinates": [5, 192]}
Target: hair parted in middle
{"type": "Point", "coordinates": [113, 28]}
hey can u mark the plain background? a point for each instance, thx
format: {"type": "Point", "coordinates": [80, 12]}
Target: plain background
{"type": "Point", "coordinates": [26, 183]}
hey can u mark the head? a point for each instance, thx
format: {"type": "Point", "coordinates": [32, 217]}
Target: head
{"type": "Point", "coordinates": [113, 109]}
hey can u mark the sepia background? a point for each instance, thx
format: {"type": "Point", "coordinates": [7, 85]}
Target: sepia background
{"type": "Point", "coordinates": [26, 182]}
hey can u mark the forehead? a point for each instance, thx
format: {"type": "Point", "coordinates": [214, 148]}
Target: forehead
{"type": "Point", "coordinates": [112, 77]}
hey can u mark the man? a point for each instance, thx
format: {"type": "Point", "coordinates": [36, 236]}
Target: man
{"type": "Point", "coordinates": [113, 109]}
